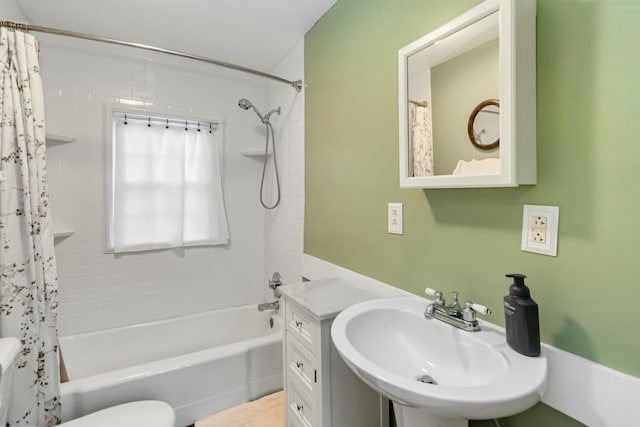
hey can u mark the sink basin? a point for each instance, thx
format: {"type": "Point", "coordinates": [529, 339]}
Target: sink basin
{"type": "Point", "coordinates": [444, 372]}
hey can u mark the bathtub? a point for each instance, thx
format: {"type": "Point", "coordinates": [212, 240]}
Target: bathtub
{"type": "Point", "coordinates": [200, 364]}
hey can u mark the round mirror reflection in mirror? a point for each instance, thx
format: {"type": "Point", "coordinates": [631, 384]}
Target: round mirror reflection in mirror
{"type": "Point", "coordinates": [484, 125]}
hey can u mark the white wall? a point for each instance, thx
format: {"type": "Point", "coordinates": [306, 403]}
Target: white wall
{"type": "Point", "coordinates": [99, 290]}
{"type": "Point", "coordinates": [285, 224]}
{"type": "Point", "coordinates": [10, 11]}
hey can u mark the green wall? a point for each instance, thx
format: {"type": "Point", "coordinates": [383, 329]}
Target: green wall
{"type": "Point", "coordinates": [588, 125]}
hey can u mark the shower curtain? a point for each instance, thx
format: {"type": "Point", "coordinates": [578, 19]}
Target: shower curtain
{"type": "Point", "coordinates": [28, 281]}
{"type": "Point", "coordinates": [421, 141]}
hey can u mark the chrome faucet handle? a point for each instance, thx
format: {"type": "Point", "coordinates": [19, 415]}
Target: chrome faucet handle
{"type": "Point", "coordinates": [274, 283]}
{"type": "Point", "coordinates": [469, 314]}
{"type": "Point", "coordinates": [482, 309]}
{"type": "Point", "coordinates": [470, 310]}
{"type": "Point", "coordinates": [276, 280]}
{"type": "Point", "coordinates": [437, 296]}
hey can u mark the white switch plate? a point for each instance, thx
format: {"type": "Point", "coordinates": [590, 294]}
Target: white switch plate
{"type": "Point", "coordinates": [540, 229]}
{"type": "Point", "coordinates": [394, 218]}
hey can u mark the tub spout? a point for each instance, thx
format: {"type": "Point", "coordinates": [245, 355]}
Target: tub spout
{"type": "Point", "coordinates": [274, 305]}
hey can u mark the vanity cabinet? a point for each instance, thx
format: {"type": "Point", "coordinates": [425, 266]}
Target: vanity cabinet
{"type": "Point", "coordinates": [320, 389]}
{"type": "Point", "coordinates": [303, 367]}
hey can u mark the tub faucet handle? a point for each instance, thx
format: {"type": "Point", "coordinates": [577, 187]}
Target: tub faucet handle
{"type": "Point", "coordinates": [276, 280]}
{"type": "Point", "coordinates": [274, 283]}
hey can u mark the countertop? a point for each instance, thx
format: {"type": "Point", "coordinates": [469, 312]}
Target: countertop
{"type": "Point", "coordinates": [325, 298]}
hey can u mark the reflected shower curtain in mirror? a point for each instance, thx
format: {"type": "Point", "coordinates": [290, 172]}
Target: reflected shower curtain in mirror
{"type": "Point", "coordinates": [421, 141]}
{"type": "Point", "coordinates": [28, 280]}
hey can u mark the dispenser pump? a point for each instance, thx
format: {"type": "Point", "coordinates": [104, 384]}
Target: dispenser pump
{"type": "Point", "coordinates": [518, 288]}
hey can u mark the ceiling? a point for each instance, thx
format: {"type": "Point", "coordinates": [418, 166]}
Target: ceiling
{"type": "Point", "coordinates": [252, 33]}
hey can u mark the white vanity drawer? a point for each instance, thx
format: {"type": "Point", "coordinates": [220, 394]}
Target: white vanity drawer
{"type": "Point", "coordinates": [302, 326]}
{"type": "Point", "coordinates": [293, 420]}
{"type": "Point", "coordinates": [301, 363]}
{"type": "Point", "coordinates": [300, 407]}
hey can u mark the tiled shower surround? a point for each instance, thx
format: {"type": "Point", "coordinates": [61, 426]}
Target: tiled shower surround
{"type": "Point", "coordinates": [99, 290]}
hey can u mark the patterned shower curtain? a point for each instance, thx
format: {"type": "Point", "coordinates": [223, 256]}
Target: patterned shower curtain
{"type": "Point", "coordinates": [28, 281]}
{"type": "Point", "coordinates": [421, 141]}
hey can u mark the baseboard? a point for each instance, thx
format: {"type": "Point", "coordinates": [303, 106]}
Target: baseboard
{"type": "Point", "coordinates": [589, 392]}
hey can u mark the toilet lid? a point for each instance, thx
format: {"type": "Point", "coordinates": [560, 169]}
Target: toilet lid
{"type": "Point", "coordinates": [145, 413]}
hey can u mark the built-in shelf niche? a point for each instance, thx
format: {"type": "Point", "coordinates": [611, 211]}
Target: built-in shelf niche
{"type": "Point", "coordinates": [52, 140]}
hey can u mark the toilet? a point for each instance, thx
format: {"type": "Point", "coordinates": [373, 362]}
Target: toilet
{"type": "Point", "coordinates": [146, 413]}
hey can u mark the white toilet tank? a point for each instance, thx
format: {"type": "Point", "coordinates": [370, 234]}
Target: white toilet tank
{"type": "Point", "coordinates": [9, 348]}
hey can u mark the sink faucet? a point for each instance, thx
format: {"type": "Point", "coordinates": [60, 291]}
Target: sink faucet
{"type": "Point", "coordinates": [454, 314]}
{"type": "Point", "coordinates": [454, 309]}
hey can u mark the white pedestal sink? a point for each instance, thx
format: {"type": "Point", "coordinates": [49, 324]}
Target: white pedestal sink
{"type": "Point", "coordinates": [435, 374]}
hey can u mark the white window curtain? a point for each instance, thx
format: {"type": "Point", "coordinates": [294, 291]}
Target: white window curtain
{"type": "Point", "coordinates": [167, 188]}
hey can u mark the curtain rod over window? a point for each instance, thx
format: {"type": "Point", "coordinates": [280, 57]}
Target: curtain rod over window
{"type": "Point", "coordinates": [296, 84]}
{"type": "Point", "coordinates": [166, 121]}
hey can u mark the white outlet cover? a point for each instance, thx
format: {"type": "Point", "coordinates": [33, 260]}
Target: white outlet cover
{"type": "Point", "coordinates": [540, 229]}
{"type": "Point", "coordinates": [394, 218]}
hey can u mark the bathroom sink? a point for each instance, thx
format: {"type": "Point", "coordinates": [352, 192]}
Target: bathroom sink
{"type": "Point", "coordinates": [427, 364]}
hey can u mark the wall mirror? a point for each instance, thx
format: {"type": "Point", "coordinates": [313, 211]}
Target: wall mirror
{"type": "Point", "coordinates": [471, 79]}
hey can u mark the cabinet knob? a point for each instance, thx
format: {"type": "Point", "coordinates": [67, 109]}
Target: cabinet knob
{"type": "Point", "coordinates": [299, 407]}
{"type": "Point", "coordinates": [298, 324]}
{"type": "Point", "coordinates": [299, 365]}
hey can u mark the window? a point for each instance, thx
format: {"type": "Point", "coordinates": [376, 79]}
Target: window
{"type": "Point", "coordinates": [166, 188]}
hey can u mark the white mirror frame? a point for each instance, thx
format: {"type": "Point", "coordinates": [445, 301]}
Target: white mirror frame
{"type": "Point", "coordinates": [517, 52]}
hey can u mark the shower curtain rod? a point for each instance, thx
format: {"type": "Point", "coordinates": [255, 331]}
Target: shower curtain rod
{"type": "Point", "coordinates": [296, 84]}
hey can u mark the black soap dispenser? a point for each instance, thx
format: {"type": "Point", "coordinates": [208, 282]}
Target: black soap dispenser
{"type": "Point", "coordinates": [521, 318]}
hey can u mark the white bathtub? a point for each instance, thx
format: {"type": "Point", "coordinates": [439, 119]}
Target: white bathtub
{"type": "Point", "coordinates": [200, 364]}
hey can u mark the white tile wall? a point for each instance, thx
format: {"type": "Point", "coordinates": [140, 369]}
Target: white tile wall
{"type": "Point", "coordinates": [99, 290]}
{"type": "Point", "coordinates": [285, 224]}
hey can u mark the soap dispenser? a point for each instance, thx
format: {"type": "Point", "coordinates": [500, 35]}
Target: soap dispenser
{"type": "Point", "coordinates": [521, 318]}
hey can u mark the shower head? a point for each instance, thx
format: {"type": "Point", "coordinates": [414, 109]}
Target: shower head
{"type": "Point", "coordinates": [245, 104]}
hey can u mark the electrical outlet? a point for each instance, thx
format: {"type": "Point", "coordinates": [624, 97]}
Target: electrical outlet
{"type": "Point", "coordinates": [394, 218]}
{"type": "Point", "coordinates": [540, 229]}
{"type": "Point", "coordinates": [538, 232]}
